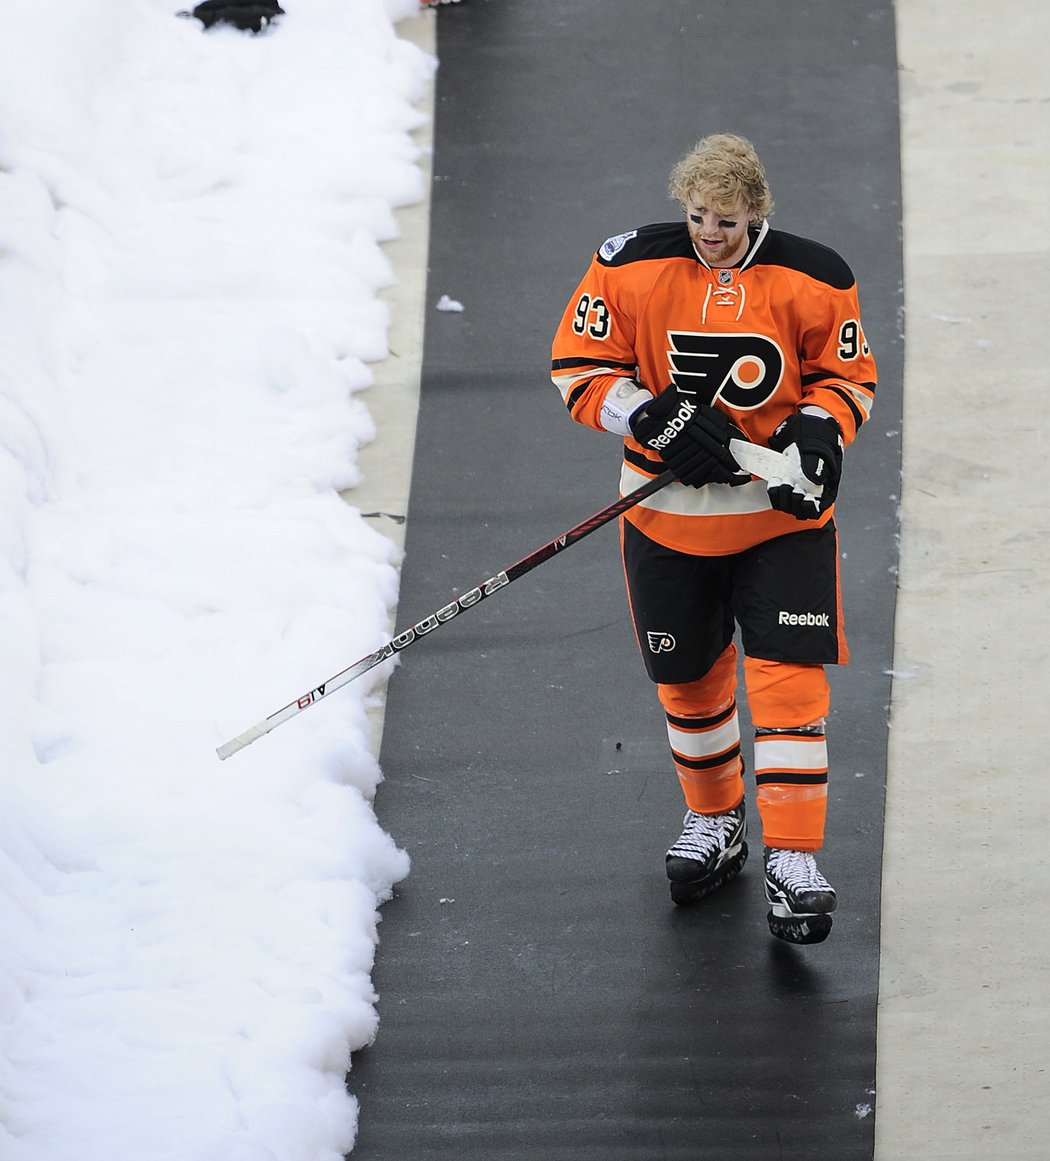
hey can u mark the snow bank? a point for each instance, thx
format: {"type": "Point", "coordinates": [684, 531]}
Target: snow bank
{"type": "Point", "coordinates": [190, 229]}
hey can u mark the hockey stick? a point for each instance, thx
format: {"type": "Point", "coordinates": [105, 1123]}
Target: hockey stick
{"type": "Point", "coordinates": [453, 609]}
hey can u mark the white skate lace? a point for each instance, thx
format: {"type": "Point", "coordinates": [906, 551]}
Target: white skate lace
{"type": "Point", "coordinates": [704, 834]}
{"type": "Point", "coordinates": [797, 870]}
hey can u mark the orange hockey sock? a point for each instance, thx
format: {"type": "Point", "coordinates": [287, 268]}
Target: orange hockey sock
{"type": "Point", "coordinates": [791, 773]}
{"type": "Point", "coordinates": [704, 733]}
{"type": "Point", "coordinates": [788, 704]}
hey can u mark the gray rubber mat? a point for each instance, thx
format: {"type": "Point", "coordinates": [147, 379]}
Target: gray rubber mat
{"type": "Point", "coordinates": [540, 996]}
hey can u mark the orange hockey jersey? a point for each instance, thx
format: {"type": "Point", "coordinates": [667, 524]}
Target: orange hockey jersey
{"type": "Point", "coordinates": [781, 329]}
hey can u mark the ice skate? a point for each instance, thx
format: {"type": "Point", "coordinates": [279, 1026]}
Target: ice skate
{"type": "Point", "coordinates": [800, 898]}
{"type": "Point", "coordinates": [710, 851]}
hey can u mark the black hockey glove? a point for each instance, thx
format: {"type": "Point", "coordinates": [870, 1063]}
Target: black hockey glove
{"type": "Point", "coordinates": [819, 443]}
{"type": "Point", "coordinates": [690, 437]}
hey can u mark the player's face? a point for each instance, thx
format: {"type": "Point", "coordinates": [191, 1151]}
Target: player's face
{"type": "Point", "coordinates": [720, 235]}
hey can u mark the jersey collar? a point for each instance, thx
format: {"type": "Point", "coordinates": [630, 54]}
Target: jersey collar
{"type": "Point", "coordinates": [757, 239]}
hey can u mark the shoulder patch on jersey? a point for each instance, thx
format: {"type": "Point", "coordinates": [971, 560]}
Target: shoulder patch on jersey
{"type": "Point", "coordinates": [648, 243]}
{"type": "Point", "coordinates": [612, 246]}
{"type": "Point", "coordinates": [806, 256]}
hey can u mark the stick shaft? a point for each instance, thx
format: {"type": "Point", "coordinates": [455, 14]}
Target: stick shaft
{"type": "Point", "coordinates": [447, 613]}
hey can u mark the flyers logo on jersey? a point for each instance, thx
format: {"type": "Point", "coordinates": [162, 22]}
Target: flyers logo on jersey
{"type": "Point", "coordinates": [742, 370]}
{"type": "Point", "coordinates": [660, 642]}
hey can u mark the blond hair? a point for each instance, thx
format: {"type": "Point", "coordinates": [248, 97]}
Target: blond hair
{"type": "Point", "coordinates": [724, 168]}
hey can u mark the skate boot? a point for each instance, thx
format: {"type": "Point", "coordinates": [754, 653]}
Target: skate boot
{"type": "Point", "coordinates": [710, 852]}
{"type": "Point", "coordinates": [800, 898]}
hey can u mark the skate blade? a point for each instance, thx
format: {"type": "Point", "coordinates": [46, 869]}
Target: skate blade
{"type": "Point", "coordinates": [684, 893]}
{"type": "Point", "coordinates": [800, 928]}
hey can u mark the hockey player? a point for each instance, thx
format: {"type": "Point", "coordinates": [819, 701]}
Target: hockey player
{"type": "Point", "coordinates": [681, 336]}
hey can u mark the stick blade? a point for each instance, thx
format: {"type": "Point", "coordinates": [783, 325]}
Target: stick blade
{"type": "Point", "coordinates": [773, 466]}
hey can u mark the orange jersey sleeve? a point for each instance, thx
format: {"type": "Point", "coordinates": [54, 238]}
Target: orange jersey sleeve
{"type": "Point", "coordinates": [594, 348]}
{"type": "Point", "coordinates": [756, 341]}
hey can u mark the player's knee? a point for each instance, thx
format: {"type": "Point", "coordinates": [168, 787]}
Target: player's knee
{"type": "Point", "coordinates": [784, 695]}
{"type": "Point", "coordinates": [706, 694]}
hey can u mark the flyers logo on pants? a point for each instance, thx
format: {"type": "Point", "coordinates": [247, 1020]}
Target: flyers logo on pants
{"type": "Point", "coordinates": [743, 370]}
{"type": "Point", "coordinates": [660, 642]}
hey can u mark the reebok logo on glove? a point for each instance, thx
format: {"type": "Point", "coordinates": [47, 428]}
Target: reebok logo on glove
{"type": "Point", "coordinates": [685, 412]}
{"type": "Point", "coordinates": [691, 437]}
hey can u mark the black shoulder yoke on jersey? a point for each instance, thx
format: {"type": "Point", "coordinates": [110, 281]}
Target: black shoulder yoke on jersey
{"type": "Point", "coordinates": [647, 243]}
{"type": "Point", "coordinates": [808, 257]}
{"type": "Point", "coordinates": [671, 240]}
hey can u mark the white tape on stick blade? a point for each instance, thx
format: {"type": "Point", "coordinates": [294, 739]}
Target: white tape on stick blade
{"type": "Point", "coordinates": [774, 467]}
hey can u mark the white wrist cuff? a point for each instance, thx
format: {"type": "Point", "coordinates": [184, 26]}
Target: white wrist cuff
{"type": "Point", "coordinates": [624, 398]}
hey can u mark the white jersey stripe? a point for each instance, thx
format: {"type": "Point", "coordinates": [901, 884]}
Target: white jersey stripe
{"type": "Point", "coordinates": [711, 500]}
{"type": "Point", "coordinates": [567, 381]}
